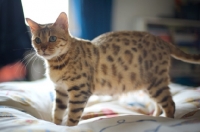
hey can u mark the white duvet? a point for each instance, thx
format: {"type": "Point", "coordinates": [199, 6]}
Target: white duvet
{"type": "Point", "coordinates": [26, 107]}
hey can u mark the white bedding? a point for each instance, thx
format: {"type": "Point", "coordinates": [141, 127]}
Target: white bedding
{"type": "Point", "coordinates": [26, 107]}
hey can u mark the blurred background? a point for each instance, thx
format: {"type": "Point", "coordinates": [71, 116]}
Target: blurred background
{"type": "Point", "coordinates": [176, 21]}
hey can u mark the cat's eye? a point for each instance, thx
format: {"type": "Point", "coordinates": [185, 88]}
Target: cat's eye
{"type": "Point", "coordinates": [52, 38]}
{"type": "Point", "coordinates": [37, 40]}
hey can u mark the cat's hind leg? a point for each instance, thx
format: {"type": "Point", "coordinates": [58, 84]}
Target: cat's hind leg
{"type": "Point", "coordinates": [160, 93]}
{"type": "Point", "coordinates": [60, 106]}
{"type": "Point", "coordinates": [157, 110]}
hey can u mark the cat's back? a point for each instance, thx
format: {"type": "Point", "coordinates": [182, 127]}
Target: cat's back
{"type": "Point", "coordinates": [119, 37]}
{"type": "Point", "coordinates": [132, 46]}
{"type": "Point", "coordinates": [129, 59]}
{"type": "Point", "coordinates": [121, 44]}
{"type": "Point", "coordinates": [131, 42]}
{"type": "Point", "coordinates": [126, 43]}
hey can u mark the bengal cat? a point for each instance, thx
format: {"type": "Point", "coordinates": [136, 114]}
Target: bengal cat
{"type": "Point", "coordinates": [113, 63]}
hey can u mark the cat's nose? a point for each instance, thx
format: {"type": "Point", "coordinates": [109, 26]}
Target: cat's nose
{"type": "Point", "coordinates": [43, 48]}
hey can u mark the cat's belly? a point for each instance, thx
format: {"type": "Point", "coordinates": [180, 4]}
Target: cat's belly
{"type": "Point", "coordinates": [113, 86]}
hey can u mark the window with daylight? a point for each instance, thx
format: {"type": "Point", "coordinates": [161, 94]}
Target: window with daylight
{"type": "Point", "coordinates": [44, 11]}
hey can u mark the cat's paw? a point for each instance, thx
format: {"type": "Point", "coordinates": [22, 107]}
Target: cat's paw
{"type": "Point", "coordinates": [57, 121]}
{"type": "Point", "coordinates": [69, 123]}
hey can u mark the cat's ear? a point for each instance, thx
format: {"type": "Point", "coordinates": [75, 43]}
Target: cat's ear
{"type": "Point", "coordinates": [62, 21]}
{"type": "Point", "coordinates": [33, 25]}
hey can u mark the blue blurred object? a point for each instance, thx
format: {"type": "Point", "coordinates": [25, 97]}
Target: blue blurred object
{"type": "Point", "coordinates": [94, 16]}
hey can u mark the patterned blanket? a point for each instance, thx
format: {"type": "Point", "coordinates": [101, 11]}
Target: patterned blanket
{"type": "Point", "coordinates": [26, 106]}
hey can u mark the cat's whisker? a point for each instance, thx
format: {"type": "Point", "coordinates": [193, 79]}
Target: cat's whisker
{"type": "Point", "coordinates": [25, 64]}
{"type": "Point", "coordinates": [19, 67]}
{"type": "Point", "coordinates": [36, 58]}
{"type": "Point", "coordinates": [31, 66]}
{"type": "Point", "coordinates": [21, 61]}
{"type": "Point", "coordinates": [27, 56]}
{"type": "Point", "coordinates": [29, 59]}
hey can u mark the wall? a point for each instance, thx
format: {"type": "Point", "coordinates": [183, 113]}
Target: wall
{"type": "Point", "coordinates": [126, 11]}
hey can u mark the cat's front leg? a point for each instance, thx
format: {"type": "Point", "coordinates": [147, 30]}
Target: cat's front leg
{"type": "Point", "coordinates": [60, 105]}
{"type": "Point", "coordinates": [77, 102]}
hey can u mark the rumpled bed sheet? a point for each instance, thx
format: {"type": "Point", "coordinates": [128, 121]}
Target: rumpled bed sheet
{"type": "Point", "coordinates": [27, 107]}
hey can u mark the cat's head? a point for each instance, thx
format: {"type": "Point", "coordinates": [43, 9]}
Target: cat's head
{"type": "Point", "coordinates": [50, 40]}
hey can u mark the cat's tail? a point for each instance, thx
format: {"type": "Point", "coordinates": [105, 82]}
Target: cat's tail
{"type": "Point", "coordinates": [180, 55]}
